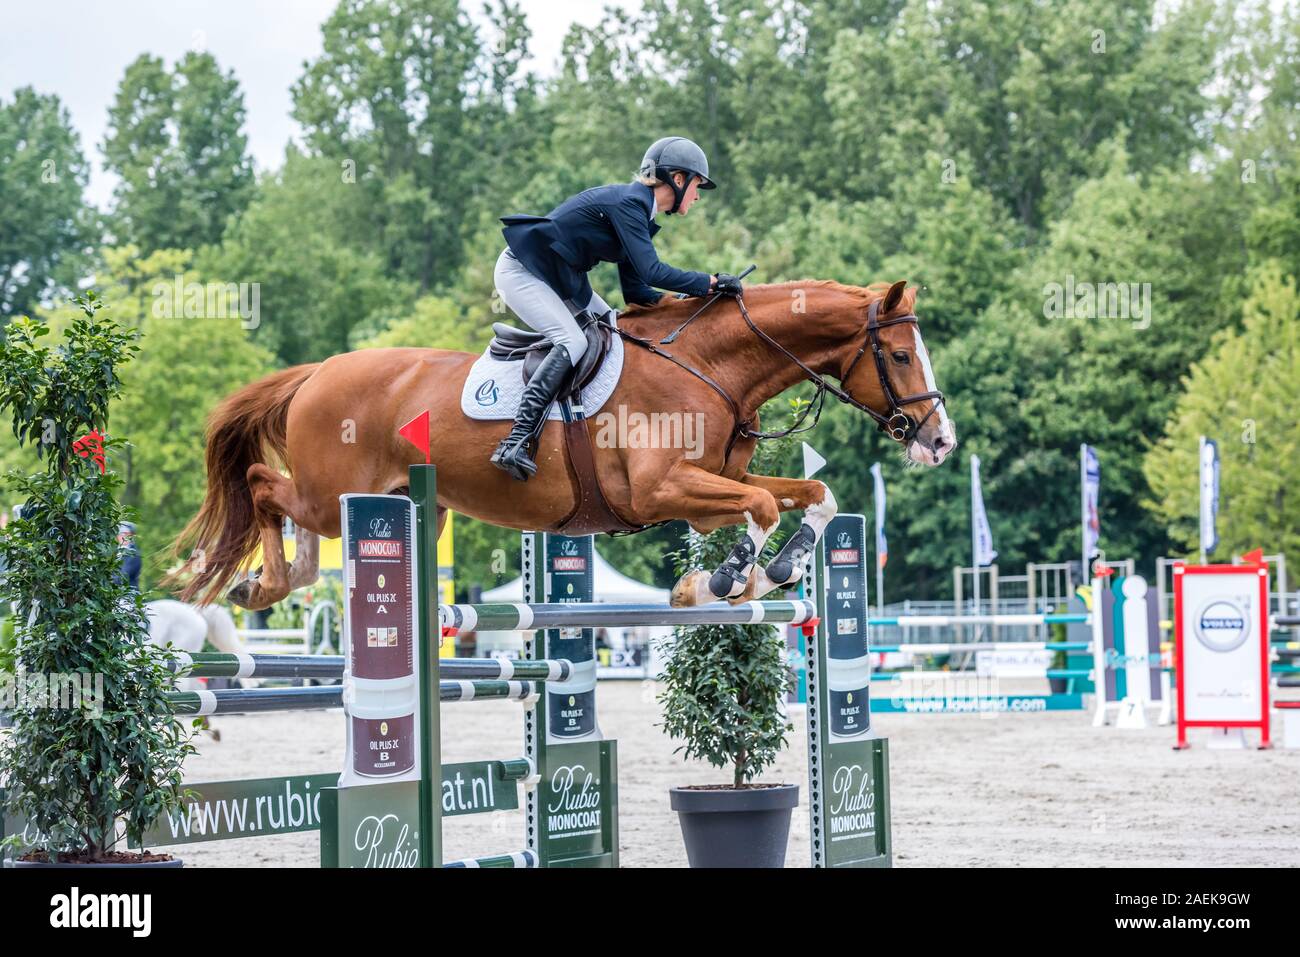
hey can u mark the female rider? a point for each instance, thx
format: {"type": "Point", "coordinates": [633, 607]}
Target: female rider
{"type": "Point", "coordinates": [542, 273]}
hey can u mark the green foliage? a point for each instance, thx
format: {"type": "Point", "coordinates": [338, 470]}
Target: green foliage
{"type": "Point", "coordinates": [979, 151]}
{"type": "Point", "coordinates": [43, 226]}
{"type": "Point", "coordinates": [296, 241]}
{"type": "Point", "coordinates": [175, 141]}
{"type": "Point", "coordinates": [184, 368]}
{"type": "Point", "coordinates": [723, 684]}
{"type": "Point", "coordinates": [1244, 394]}
{"type": "Point", "coordinates": [73, 772]}
{"type": "Point", "coordinates": [428, 114]}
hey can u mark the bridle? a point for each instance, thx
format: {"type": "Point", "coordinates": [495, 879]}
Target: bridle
{"type": "Point", "coordinates": [896, 423]}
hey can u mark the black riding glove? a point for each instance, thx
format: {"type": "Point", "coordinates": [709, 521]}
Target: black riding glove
{"type": "Point", "coordinates": [728, 285]}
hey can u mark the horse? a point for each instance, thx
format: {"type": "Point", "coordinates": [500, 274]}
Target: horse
{"type": "Point", "coordinates": [186, 628]}
{"type": "Point", "coordinates": [332, 426]}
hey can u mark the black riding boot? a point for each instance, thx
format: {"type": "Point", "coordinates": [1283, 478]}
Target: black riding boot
{"type": "Point", "coordinates": [512, 455]}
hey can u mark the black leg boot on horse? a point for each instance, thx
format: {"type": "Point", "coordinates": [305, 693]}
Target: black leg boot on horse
{"type": "Point", "coordinates": [513, 454]}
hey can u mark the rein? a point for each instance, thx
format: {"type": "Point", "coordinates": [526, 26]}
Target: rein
{"type": "Point", "coordinates": [895, 422]}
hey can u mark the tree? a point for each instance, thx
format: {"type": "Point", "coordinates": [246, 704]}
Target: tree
{"type": "Point", "coordinates": [409, 96]}
{"type": "Point", "coordinates": [184, 367]}
{"type": "Point", "coordinates": [319, 288]}
{"type": "Point", "coordinates": [1245, 394]}
{"type": "Point", "coordinates": [44, 230]}
{"type": "Point", "coordinates": [176, 142]}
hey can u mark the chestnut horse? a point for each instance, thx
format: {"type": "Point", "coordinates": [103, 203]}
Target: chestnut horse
{"type": "Point", "coordinates": [333, 426]}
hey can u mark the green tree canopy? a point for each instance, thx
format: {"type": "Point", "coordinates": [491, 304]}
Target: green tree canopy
{"type": "Point", "coordinates": [44, 229]}
{"type": "Point", "coordinates": [176, 142]}
{"type": "Point", "coordinates": [1244, 394]}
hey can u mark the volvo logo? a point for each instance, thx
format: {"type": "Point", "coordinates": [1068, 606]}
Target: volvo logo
{"type": "Point", "coordinates": [1221, 625]}
{"type": "Point", "coordinates": [486, 394]}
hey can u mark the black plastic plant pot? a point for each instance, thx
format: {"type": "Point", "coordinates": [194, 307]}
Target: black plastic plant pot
{"type": "Point", "coordinates": [735, 827]}
{"type": "Point", "coordinates": [174, 862]}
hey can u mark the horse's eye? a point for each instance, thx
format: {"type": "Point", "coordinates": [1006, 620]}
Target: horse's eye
{"type": "Point", "coordinates": [902, 358]}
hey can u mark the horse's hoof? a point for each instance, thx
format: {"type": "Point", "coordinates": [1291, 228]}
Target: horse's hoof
{"type": "Point", "coordinates": [723, 586]}
{"type": "Point", "coordinates": [691, 589]}
{"type": "Point", "coordinates": [242, 595]}
{"type": "Point", "coordinates": [782, 573]}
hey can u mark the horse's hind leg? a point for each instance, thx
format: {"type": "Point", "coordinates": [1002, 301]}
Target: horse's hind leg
{"type": "Point", "coordinates": [305, 567]}
{"type": "Point", "coordinates": [273, 498]}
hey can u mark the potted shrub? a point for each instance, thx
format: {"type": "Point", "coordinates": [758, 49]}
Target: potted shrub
{"type": "Point", "coordinates": [724, 687]}
{"type": "Point", "coordinates": [102, 757]}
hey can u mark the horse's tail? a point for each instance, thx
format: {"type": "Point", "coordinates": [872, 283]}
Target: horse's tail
{"type": "Point", "coordinates": [247, 428]}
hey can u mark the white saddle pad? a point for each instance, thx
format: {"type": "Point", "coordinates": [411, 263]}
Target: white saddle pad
{"type": "Point", "coordinates": [494, 387]}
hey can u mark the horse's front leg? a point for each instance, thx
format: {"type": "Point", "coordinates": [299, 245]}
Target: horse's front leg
{"type": "Point", "coordinates": [689, 492]}
{"type": "Point", "coordinates": [818, 505]}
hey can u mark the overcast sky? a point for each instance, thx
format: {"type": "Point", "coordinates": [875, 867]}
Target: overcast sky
{"type": "Point", "coordinates": [79, 49]}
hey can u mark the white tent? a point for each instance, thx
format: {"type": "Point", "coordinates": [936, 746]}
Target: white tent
{"type": "Point", "coordinates": [611, 585]}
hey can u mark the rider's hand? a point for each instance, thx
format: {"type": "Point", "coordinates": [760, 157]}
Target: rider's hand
{"type": "Point", "coordinates": [728, 285]}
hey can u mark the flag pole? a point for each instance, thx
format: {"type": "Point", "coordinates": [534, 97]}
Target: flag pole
{"type": "Point", "coordinates": [974, 541]}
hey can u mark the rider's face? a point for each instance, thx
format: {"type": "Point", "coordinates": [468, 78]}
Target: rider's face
{"type": "Point", "coordinates": [692, 192]}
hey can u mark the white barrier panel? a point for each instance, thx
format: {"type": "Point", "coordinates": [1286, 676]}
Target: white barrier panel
{"type": "Point", "coordinates": [1221, 654]}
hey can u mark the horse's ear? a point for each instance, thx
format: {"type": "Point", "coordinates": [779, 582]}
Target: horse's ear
{"type": "Point", "coordinates": [893, 297]}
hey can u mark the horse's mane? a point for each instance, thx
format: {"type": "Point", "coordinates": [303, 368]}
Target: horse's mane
{"type": "Point", "coordinates": [676, 309]}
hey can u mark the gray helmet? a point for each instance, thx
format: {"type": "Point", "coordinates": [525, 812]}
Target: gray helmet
{"type": "Point", "coordinates": [676, 153]}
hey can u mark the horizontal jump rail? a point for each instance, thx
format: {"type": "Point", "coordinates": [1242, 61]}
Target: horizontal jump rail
{"type": "Point", "coordinates": [261, 700]}
{"type": "Point", "coordinates": [1062, 673]}
{"type": "Point", "coordinates": [946, 621]}
{"type": "Point", "coordinates": [952, 647]}
{"type": "Point", "coordinates": [224, 665]}
{"type": "Point", "coordinates": [520, 617]}
{"type": "Point", "coordinates": [519, 859]}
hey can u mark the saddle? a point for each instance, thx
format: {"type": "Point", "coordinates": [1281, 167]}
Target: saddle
{"type": "Point", "coordinates": [510, 343]}
{"type": "Point", "coordinates": [592, 512]}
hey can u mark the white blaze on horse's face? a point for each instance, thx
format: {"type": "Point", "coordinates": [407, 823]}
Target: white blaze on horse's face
{"type": "Point", "coordinates": [937, 438]}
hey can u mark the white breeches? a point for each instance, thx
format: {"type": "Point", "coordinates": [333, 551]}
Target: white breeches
{"type": "Point", "coordinates": [538, 305]}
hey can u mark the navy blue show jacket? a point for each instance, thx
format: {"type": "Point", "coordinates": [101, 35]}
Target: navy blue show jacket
{"type": "Point", "coordinates": [613, 224]}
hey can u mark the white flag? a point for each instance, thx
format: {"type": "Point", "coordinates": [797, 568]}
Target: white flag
{"type": "Point", "coordinates": [1090, 484]}
{"type": "Point", "coordinates": [981, 535]}
{"type": "Point", "coordinates": [1209, 494]}
{"type": "Point", "coordinates": [882, 547]}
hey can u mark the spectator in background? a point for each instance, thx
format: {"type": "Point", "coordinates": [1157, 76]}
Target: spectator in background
{"type": "Point", "coordinates": [131, 561]}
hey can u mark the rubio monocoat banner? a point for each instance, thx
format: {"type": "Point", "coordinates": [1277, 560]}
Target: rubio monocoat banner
{"type": "Point", "coordinates": [848, 663]}
{"type": "Point", "coordinates": [1221, 655]}
{"type": "Point", "coordinates": [381, 648]}
{"type": "Point", "coordinates": [848, 765]}
{"type": "Point", "coordinates": [570, 577]}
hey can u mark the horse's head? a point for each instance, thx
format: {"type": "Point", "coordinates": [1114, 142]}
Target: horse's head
{"type": "Point", "coordinates": [888, 371]}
